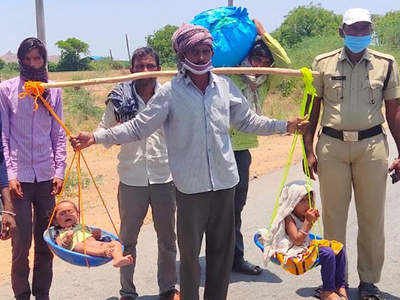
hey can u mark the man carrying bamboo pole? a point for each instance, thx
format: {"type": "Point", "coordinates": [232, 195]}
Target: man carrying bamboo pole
{"type": "Point", "coordinates": [197, 109]}
{"type": "Point", "coordinates": [34, 151]}
{"type": "Point", "coordinates": [265, 52]}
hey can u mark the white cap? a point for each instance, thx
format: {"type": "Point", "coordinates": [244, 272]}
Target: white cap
{"type": "Point", "coordinates": [354, 15]}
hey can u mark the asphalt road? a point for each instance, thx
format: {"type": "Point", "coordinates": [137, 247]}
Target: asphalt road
{"type": "Point", "coordinates": [101, 283]}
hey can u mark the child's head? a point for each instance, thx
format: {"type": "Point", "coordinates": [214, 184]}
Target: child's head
{"type": "Point", "coordinates": [66, 214]}
{"type": "Point", "coordinates": [304, 204]}
{"type": "Point", "coordinates": [294, 198]}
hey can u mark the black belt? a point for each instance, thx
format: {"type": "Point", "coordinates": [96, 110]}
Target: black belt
{"type": "Point", "coordinates": [352, 136]}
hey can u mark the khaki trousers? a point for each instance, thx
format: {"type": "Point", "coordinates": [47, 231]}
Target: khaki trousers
{"type": "Point", "coordinates": [362, 165]}
{"type": "Point", "coordinates": [133, 202]}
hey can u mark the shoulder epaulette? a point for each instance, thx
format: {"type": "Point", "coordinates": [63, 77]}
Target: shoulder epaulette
{"type": "Point", "coordinates": [328, 54]}
{"type": "Point", "coordinates": [381, 55]}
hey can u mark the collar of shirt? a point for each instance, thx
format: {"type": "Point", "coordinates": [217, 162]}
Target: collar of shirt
{"type": "Point", "coordinates": [343, 56]}
{"type": "Point", "coordinates": [156, 89]}
{"type": "Point", "coordinates": [187, 80]}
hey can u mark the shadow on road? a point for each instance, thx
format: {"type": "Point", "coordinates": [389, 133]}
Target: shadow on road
{"type": "Point", "coordinates": [146, 297]}
{"type": "Point", "coordinates": [265, 276]}
{"type": "Point", "coordinates": [352, 293]}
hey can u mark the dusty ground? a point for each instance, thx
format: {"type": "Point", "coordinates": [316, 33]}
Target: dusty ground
{"type": "Point", "coordinates": [270, 155]}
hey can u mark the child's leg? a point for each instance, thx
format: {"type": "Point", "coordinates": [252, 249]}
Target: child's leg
{"type": "Point", "coordinates": [112, 249]}
{"type": "Point", "coordinates": [340, 277]}
{"type": "Point", "coordinates": [328, 268]}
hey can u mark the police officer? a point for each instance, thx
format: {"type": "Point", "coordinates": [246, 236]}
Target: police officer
{"type": "Point", "coordinates": [352, 150]}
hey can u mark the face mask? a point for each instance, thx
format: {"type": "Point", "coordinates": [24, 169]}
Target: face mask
{"type": "Point", "coordinates": [197, 69]}
{"type": "Point", "coordinates": [357, 44]}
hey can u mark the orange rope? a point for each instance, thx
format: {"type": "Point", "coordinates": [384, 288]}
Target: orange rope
{"type": "Point", "coordinates": [35, 89]}
{"type": "Point", "coordinates": [101, 197]}
{"type": "Point", "coordinates": [62, 191]}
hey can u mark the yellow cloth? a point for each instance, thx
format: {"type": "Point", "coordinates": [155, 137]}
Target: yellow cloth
{"type": "Point", "coordinates": [79, 236]}
{"type": "Point", "coordinates": [308, 260]}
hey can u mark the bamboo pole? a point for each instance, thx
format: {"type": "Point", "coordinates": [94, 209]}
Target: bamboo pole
{"type": "Point", "coordinates": [168, 74]}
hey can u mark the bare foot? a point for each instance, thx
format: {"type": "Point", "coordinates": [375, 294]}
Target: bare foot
{"type": "Point", "coordinates": [123, 261]}
{"type": "Point", "coordinates": [342, 293]}
{"type": "Point", "coordinates": [329, 295]}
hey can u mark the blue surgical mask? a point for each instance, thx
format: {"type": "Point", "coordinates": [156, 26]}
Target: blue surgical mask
{"type": "Point", "coordinates": [357, 44]}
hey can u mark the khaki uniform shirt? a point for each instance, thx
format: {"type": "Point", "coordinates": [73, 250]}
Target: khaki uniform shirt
{"type": "Point", "coordinates": [353, 94]}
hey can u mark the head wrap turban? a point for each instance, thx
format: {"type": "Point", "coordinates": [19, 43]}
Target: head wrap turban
{"type": "Point", "coordinates": [189, 35]}
{"type": "Point", "coordinates": [28, 72]}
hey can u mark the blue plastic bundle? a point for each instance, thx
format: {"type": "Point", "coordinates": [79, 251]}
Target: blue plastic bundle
{"type": "Point", "coordinates": [233, 33]}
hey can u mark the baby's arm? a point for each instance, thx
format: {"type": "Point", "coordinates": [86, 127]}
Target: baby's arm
{"type": "Point", "coordinates": [96, 233]}
{"type": "Point", "coordinates": [297, 236]}
{"type": "Point", "coordinates": [66, 241]}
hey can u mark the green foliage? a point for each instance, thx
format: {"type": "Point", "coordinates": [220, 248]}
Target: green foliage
{"type": "Point", "coordinates": [107, 64]}
{"type": "Point", "coordinates": [9, 70]}
{"type": "Point", "coordinates": [12, 66]}
{"type": "Point", "coordinates": [286, 87]}
{"type": "Point", "coordinates": [71, 186]}
{"type": "Point", "coordinates": [307, 21]}
{"type": "Point", "coordinates": [52, 66]}
{"type": "Point", "coordinates": [79, 105]}
{"type": "Point", "coordinates": [387, 29]}
{"type": "Point", "coordinates": [161, 42]}
{"type": "Point", "coordinates": [73, 45]}
{"type": "Point", "coordinates": [303, 53]}
{"type": "Point", "coordinates": [2, 64]}
{"type": "Point", "coordinates": [71, 50]}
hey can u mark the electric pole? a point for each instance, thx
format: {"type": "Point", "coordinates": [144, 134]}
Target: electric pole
{"type": "Point", "coordinates": [40, 26]}
{"type": "Point", "coordinates": [127, 46]}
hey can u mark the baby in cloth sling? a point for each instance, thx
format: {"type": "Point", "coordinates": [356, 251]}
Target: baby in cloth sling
{"type": "Point", "coordinates": [288, 240]}
{"type": "Point", "coordinates": [71, 236]}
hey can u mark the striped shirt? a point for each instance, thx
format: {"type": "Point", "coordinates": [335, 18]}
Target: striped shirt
{"type": "Point", "coordinates": [196, 127]}
{"type": "Point", "coordinates": [34, 143]}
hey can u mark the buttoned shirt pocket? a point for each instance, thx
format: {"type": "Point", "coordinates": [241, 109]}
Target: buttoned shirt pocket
{"type": "Point", "coordinates": [219, 114]}
{"type": "Point", "coordinates": [372, 91]}
{"type": "Point", "coordinates": [334, 89]}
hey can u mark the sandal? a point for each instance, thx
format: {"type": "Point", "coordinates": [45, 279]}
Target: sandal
{"type": "Point", "coordinates": [317, 293]}
{"type": "Point", "coordinates": [342, 296]}
{"type": "Point", "coordinates": [369, 291]}
{"type": "Point", "coordinates": [247, 268]}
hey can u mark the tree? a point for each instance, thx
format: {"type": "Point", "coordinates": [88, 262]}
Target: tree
{"type": "Point", "coordinates": [387, 29]}
{"type": "Point", "coordinates": [71, 50]}
{"type": "Point", "coordinates": [2, 64]}
{"type": "Point", "coordinates": [161, 42]}
{"type": "Point", "coordinates": [307, 21]}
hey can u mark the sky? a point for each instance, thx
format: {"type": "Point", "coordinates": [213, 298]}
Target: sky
{"type": "Point", "coordinates": [103, 23]}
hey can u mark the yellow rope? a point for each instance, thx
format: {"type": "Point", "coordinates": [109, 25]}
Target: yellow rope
{"type": "Point", "coordinates": [309, 93]}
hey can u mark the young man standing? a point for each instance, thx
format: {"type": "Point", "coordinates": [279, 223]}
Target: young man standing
{"type": "Point", "coordinates": [145, 178]}
{"type": "Point", "coordinates": [34, 151]}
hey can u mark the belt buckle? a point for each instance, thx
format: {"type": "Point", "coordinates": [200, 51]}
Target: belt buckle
{"type": "Point", "coordinates": [350, 136]}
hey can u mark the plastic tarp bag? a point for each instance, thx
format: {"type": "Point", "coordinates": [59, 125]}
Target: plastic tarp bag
{"type": "Point", "coordinates": [233, 33]}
